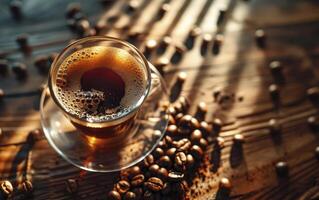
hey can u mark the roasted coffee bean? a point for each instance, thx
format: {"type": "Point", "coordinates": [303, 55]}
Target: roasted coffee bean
{"type": "Point", "coordinates": [72, 185]}
{"type": "Point", "coordinates": [238, 139]}
{"type": "Point", "coordinates": [162, 173]}
{"type": "Point", "coordinates": [148, 195]}
{"type": "Point", "coordinates": [196, 135]}
{"type": "Point", "coordinates": [19, 69]}
{"type": "Point", "coordinates": [184, 102]}
{"type": "Point", "coordinates": [220, 142]}
{"type": "Point", "coordinates": [122, 186]}
{"type": "Point", "coordinates": [158, 152]}
{"type": "Point", "coordinates": [27, 187]}
{"type": "Point", "coordinates": [205, 128]}
{"type": "Point", "coordinates": [317, 152]}
{"type": "Point", "coordinates": [260, 38]}
{"type": "Point", "coordinates": [175, 176]}
{"type": "Point", "coordinates": [16, 9]}
{"type": "Point", "coordinates": [168, 140]}
{"type": "Point", "coordinates": [166, 41]}
{"type": "Point", "coordinates": [138, 192]}
{"type": "Point", "coordinates": [313, 94]}
{"type": "Point", "coordinates": [207, 38]}
{"type": "Point", "coordinates": [178, 107]}
{"type": "Point", "coordinates": [72, 9]}
{"type": "Point", "coordinates": [225, 184]}
{"type": "Point", "coordinates": [150, 45]}
{"type": "Point", "coordinates": [114, 195]}
{"type": "Point", "coordinates": [275, 68]}
{"type": "Point", "coordinates": [6, 188]}
{"type": "Point", "coordinates": [165, 161]}
{"type": "Point", "coordinates": [4, 65]}
{"type": "Point", "coordinates": [148, 161]}
{"type": "Point", "coordinates": [182, 145]}
{"type": "Point", "coordinates": [217, 125]}
{"type": "Point", "coordinates": [274, 126]}
{"type": "Point", "coordinates": [135, 170]}
{"type": "Point", "coordinates": [2, 94]}
{"type": "Point", "coordinates": [189, 161]}
{"type": "Point", "coordinates": [22, 40]}
{"type": "Point", "coordinates": [171, 110]}
{"type": "Point", "coordinates": [181, 77]}
{"type": "Point", "coordinates": [130, 196]}
{"type": "Point", "coordinates": [171, 120]}
{"type": "Point", "coordinates": [172, 130]}
{"type": "Point", "coordinates": [154, 184]}
{"type": "Point", "coordinates": [201, 111]}
{"type": "Point", "coordinates": [137, 180]}
{"type": "Point", "coordinates": [218, 41]}
{"type": "Point", "coordinates": [203, 143]}
{"type": "Point", "coordinates": [166, 189]}
{"type": "Point", "coordinates": [154, 169]}
{"type": "Point", "coordinates": [197, 152]}
{"type": "Point", "coordinates": [282, 169]}
{"type": "Point", "coordinates": [180, 161]}
{"type": "Point", "coordinates": [171, 152]}
{"type": "Point", "coordinates": [42, 64]}
{"type": "Point", "coordinates": [178, 117]}
{"type": "Point", "coordinates": [162, 144]}
{"type": "Point", "coordinates": [82, 27]}
{"type": "Point", "coordinates": [157, 134]}
{"type": "Point", "coordinates": [187, 124]}
{"type": "Point", "coordinates": [163, 10]}
{"type": "Point", "coordinates": [313, 123]}
{"type": "Point", "coordinates": [274, 92]}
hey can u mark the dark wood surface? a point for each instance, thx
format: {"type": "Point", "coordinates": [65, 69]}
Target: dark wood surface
{"type": "Point", "coordinates": [292, 29]}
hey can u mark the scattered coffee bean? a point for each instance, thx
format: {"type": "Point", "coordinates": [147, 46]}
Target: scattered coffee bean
{"type": "Point", "coordinates": [122, 186]}
{"type": "Point", "coordinates": [83, 27]}
{"type": "Point", "coordinates": [203, 143]}
{"type": "Point", "coordinates": [217, 125]}
{"type": "Point", "coordinates": [220, 142]}
{"type": "Point", "coordinates": [22, 40]}
{"type": "Point", "coordinates": [165, 161]}
{"type": "Point", "coordinates": [182, 144]}
{"type": "Point", "coordinates": [157, 134]}
{"type": "Point", "coordinates": [72, 9]}
{"type": "Point", "coordinates": [238, 139]}
{"type": "Point", "coordinates": [16, 9]}
{"type": "Point", "coordinates": [274, 92]}
{"type": "Point", "coordinates": [158, 152]}
{"type": "Point", "coordinates": [195, 137]}
{"type": "Point", "coordinates": [154, 169]}
{"type": "Point", "coordinates": [138, 192]}
{"type": "Point", "coordinates": [197, 152]}
{"type": "Point", "coordinates": [224, 183]}
{"type": "Point", "coordinates": [274, 126]}
{"type": "Point", "coordinates": [178, 117]}
{"type": "Point", "coordinates": [130, 196]}
{"type": "Point", "coordinates": [166, 189]}
{"type": "Point", "coordinates": [163, 10]}
{"type": "Point", "coordinates": [71, 186]}
{"type": "Point", "coordinates": [148, 195]}
{"type": "Point", "coordinates": [27, 187]}
{"type": "Point", "coordinates": [168, 140]}
{"type": "Point", "coordinates": [275, 68]}
{"type": "Point", "coordinates": [187, 124]}
{"type": "Point", "coordinates": [317, 152]}
{"type": "Point", "coordinates": [313, 94]}
{"type": "Point", "coordinates": [175, 176]}
{"type": "Point", "coordinates": [6, 188]}
{"type": "Point", "coordinates": [190, 161]}
{"type": "Point", "coordinates": [184, 102]}
{"type": "Point", "coordinates": [162, 144]}
{"type": "Point", "coordinates": [260, 38]}
{"type": "Point", "coordinates": [201, 111]}
{"type": "Point", "coordinates": [171, 152]}
{"type": "Point", "coordinates": [205, 128]}
{"type": "Point", "coordinates": [154, 184]}
{"type": "Point", "coordinates": [171, 120]}
{"type": "Point", "coordinates": [313, 123]}
{"type": "Point", "coordinates": [114, 195]}
{"type": "Point", "coordinates": [172, 130]}
{"type": "Point", "coordinates": [137, 180]}
{"type": "Point", "coordinates": [162, 173]}
{"type": "Point", "coordinates": [221, 16]}
{"type": "Point", "coordinates": [19, 69]}
{"type": "Point", "coordinates": [179, 107]}
{"type": "Point", "coordinates": [149, 47]}
{"type": "Point", "coordinates": [282, 169]}
{"type": "Point", "coordinates": [180, 161]}
{"type": "Point", "coordinates": [218, 41]}
{"type": "Point", "coordinates": [148, 161]}
{"type": "Point", "coordinates": [4, 65]}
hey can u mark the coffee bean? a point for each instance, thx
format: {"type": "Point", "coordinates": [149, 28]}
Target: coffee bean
{"type": "Point", "coordinates": [201, 111]}
{"type": "Point", "coordinates": [260, 38]}
{"type": "Point", "coordinates": [217, 125]}
{"type": "Point", "coordinates": [207, 38]}
{"type": "Point", "coordinates": [150, 45]}
{"type": "Point", "coordinates": [19, 69]}
{"type": "Point", "coordinates": [82, 27]}
{"type": "Point", "coordinates": [187, 124]}
{"type": "Point", "coordinates": [158, 152]}
{"type": "Point", "coordinates": [178, 107]}
{"type": "Point", "coordinates": [178, 54]}
{"type": "Point", "coordinates": [274, 92]}
{"type": "Point", "coordinates": [218, 41]}
{"type": "Point", "coordinates": [220, 142]}
{"type": "Point", "coordinates": [72, 9]}
{"type": "Point", "coordinates": [138, 192]}
{"type": "Point", "coordinates": [175, 176]}
{"type": "Point", "coordinates": [42, 64]}
{"type": "Point", "coordinates": [171, 120]}
{"type": "Point", "coordinates": [171, 110]}
{"type": "Point", "coordinates": [168, 140]}
{"type": "Point", "coordinates": [166, 41]}
{"type": "Point", "coordinates": [157, 134]}
{"type": "Point", "coordinates": [163, 10]}
{"type": "Point", "coordinates": [313, 123]}
{"type": "Point", "coordinates": [148, 161]}
{"type": "Point", "coordinates": [154, 169]}
{"type": "Point", "coordinates": [282, 169]}
{"type": "Point", "coordinates": [162, 173]}
{"type": "Point", "coordinates": [122, 186]}
{"type": "Point", "coordinates": [274, 126]}
{"type": "Point", "coordinates": [203, 143]}
{"type": "Point", "coordinates": [162, 144]}
{"type": "Point", "coordinates": [130, 196]}
{"type": "Point", "coordinates": [205, 128]}
{"type": "Point", "coordinates": [178, 118]}
{"type": "Point", "coordinates": [166, 189]}
{"type": "Point", "coordinates": [2, 94]}
{"type": "Point", "coordinates": [6, 188]}
{"type": "Point", "coordinates": [22, 40]}
{"type": "Point", "coordinates": [16, 9]}
{"type": "Point", "coordinates": [221, 16]}
{"type": "Point", "coordinates": [113, 195]}
{"type": "Point", "coordinates": [165, 161]}
{"type": "Point", "coordinates": [197, 152]}
{"type": "Point", "coordinates": [317, 152]}
{"type": "Point", "coordinates": [148, 195]}
{"type": "Point", "coordinates": [182, 145]}
{"type": "Point", "coordinates": [171, 152]}
{"type": "Point", "coordinates": [275, 68]}
{"type": "Point", "coordinates": [238, 139]}
{"type": "Point", "coordinates": [192, 35]}
{"type": "Point", "coordinates": [189, 161]}
{"type": "Point", "coordinates": [133, 171]}
{"type": "Point", "coordinates": [184, 102]}
{"type": "Point", "coordinates": [181, 77]}
{"type": "Point", "coordinates": [137, 180]}
{"type": "Point", "coordinates": [196, 135]}
{"type": "Point", "coordinates": [180, 161]}
{"type": "Point", "coordinates": [224, 183]}
{"type": "Point", "coordinates": [4, 65]}
{"type": "Point", "coordinates": [27, 187]}
{"type": "Point", "coordinates": [172, 130]}
{"type": "Point", "coordinates": [154, 184]}
{"type": "Point", "coordinates": [313, 95]}
{"type": "Point", "coordinates": [71, 185]}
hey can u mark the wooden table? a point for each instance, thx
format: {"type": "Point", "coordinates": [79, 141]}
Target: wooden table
{"type": "Point", "coordinates": [241, 68]}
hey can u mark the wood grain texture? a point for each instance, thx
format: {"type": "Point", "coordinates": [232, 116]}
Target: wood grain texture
{"type": "Point", "coordinates": [241, 68]}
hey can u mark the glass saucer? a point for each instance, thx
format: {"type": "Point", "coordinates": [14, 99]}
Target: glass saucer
{"type": "Point", "coordinates": [105, 155]}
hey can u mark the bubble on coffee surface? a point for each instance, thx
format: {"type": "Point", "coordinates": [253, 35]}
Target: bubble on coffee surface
{"type": "Point", "coordinates": [87, 103]}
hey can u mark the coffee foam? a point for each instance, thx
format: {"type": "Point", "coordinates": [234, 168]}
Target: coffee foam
{"type": "Point", "coordinates": [83, 104]}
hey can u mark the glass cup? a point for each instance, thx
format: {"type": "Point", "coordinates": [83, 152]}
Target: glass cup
{"type": "Point", "coordinates": [113, 143]}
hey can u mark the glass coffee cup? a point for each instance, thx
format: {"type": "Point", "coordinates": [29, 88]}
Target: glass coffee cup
{"type": "Point", "coordinates": [100, 111]}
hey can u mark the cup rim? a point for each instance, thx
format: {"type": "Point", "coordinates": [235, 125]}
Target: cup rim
{"type": "Point", "coordinates": [102, 38]}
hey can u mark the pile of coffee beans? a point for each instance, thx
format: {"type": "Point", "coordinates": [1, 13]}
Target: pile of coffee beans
{"type": "Point", "coordinates": [168, 171]}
